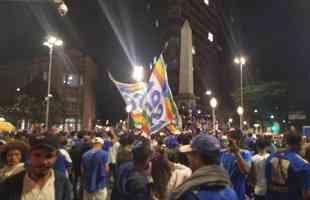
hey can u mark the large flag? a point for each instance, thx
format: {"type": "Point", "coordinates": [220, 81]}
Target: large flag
{"type": "Point", "coordinates": [153, 107]}
{"type": "Point", "coordinates": [158, 104]}
{"type": "Point", "coordinates": [133, 95]}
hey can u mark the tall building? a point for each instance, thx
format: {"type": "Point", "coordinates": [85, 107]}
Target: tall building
{"type": "Point", "coordinates": [73, 82]}
{"type": "Point", "coordinates": [212, 57]}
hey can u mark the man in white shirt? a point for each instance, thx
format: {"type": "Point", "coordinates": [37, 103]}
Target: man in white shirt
{"type": "Point", "coordinates": [258, 169]}
{"type": "Point", "coordinates": [39, 181]}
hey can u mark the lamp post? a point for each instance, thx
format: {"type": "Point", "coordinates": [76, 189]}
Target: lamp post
{"type": "Point", "coordinates": [230, 121]}
{"type": "Point", "coordinates": [50, 43]}
{"type": "Point", "coordinates": [241, 61]}
{"type": "Point", "coordinates": [208, 92]}
{"type": "Point", "coordinates": [213, 104]}
{"type": "Point", "coordinates": [138, 73]}
{"type": "Point", "coordinates": [240, 112]}
{"type": "Point", "coordinates": [61, 7]}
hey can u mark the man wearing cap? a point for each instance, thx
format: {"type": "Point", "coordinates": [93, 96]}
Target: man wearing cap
{"type": "Point", "coordinates": [237, 162]}
{"type": "Point", "coordinates": [94, 171]}
{"type": "Point", "coordinates": [209, 180]}
{"type": "Point", "coordinates": [39, 181]}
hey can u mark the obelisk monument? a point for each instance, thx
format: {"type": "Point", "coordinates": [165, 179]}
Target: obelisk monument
{"type": "Point", "coordinates": [186, 72]}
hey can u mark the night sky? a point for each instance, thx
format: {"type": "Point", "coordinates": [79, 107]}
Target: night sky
{"type": "Point", "coordinates": [273, 34]}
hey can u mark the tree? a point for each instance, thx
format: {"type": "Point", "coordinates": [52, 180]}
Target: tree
{"type": "Point", "coordinates": [268, 98]}
{"type": "Point", "coordinates": [33, 108]}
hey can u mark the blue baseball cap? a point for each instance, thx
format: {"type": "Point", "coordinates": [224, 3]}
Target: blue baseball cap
{"type": "Point", "coordinates": [171, 142]}
{"type": "Point", "coordinates": [203, 143]}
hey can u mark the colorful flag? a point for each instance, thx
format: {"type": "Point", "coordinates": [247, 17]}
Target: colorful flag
{"type": "Point", "coordinates": [158, 102]}
{"type": "Point", "coordinates": [133, 95]}
{"type": "Point", "coordinates": [153, 107]}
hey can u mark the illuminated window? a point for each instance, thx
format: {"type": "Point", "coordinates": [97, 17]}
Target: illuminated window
{"type": "Point", "coordinates": [210, 37]}
{"type": "Point", "coordinates": [206, 2]}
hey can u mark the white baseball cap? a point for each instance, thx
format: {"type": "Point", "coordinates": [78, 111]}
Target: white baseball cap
{"type": "Point", "coordinates": [97, 140]}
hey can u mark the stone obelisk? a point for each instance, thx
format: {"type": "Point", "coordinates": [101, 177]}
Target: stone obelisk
{"type": "Point", "coordinates": [186, 74]}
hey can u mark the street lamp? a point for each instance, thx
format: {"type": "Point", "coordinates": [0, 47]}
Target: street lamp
{"type": "Point", "coordinates": [129, 108]}
{"type": "Point", "coordinates": [50, 43]}
{"type": "Point", "coordinates": [240, 112]}
{"type": "Point", "coordinates": [255, 111]}
{"type": "Point", "coordinates": [213, 104]}
{"type": "Point", "coordinates": [208, 92]}
{"type": "Point", "coordinates": [138, 73]}
{"type": "Point", "coordinates": [241, 61]}
{"type": "Point", "coordinates": [230, 121]}
{"type": "Point", "coordinates": [61, 7]}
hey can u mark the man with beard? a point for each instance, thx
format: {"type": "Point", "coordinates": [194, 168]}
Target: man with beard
{"type": "Point", "coordinates": [39, 181]}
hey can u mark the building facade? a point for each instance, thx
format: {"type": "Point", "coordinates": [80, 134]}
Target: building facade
{"type": "Point", "coordinates": [212, 57]}
{"type": "Point", "coordinates": [73, 83]}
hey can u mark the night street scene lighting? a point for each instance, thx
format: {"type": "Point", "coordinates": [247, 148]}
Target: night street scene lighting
{"type": "Point", "coordinates": [51, 42]}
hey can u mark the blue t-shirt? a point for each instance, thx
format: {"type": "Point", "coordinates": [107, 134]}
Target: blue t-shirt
{"type": "Point", "coordinates": [130, 184]}
{"type": "Point", "coordinates": [62, 164]}
{"type": "Point", "coordinates": [288, 174]}
{"type": "Point", "coordinates": [238, 179]}
{"type": "Point", "coordinates": [94, 170]}
{"type": "Point", "coordinates": [205, 193]}
{"type": "Point", "coordinates": [107, 145]}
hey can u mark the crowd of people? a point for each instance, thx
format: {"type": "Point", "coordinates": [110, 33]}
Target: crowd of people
{"type": "Point", "coordinates": [122, 164]}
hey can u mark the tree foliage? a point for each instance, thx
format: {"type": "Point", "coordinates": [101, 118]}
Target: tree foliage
{"type": "Point", "coordinates": [32, 108]}
{"type": "Point", "coordinates": [267, 97]}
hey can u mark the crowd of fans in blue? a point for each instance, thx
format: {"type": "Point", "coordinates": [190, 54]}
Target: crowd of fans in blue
{"type": "Point", "coordinates": [119, 164]}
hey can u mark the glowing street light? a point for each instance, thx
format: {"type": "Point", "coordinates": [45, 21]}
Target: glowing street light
{"type": "Point", "coordinates": [240, 112]}
{"type": "Point", "coordinates": [241, 61]}
{"type": "Point", "coordinates": [61, 7]}
{"type": "Point", "coordinates": [213, 104]}
{"type": "Point", "coordinates": [255, 111]}
{"type": "Point", "coordinates": [138, 73]}
{"type": "Point", "coordinates": [17, 89]}
{"type": "Point", "coordinates": [230, 121]}
{"type": "Point", "coordinates": [50, 43]}
{"type": "Point", "coordinates": [129, 108]}
{"type": "Point", "coordinates": [208, 92]}
{"type": "Point", "coordinates": [256, 125]}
